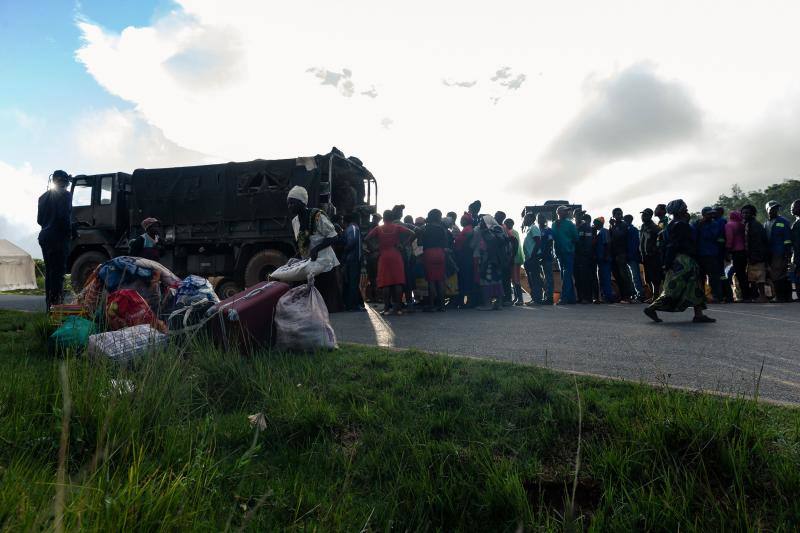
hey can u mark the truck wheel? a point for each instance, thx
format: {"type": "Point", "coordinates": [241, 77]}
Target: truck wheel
{"type": "Point", "coordinates": [83, 267]}
{"type": "Point", "coordinates": [261, 265]}
{"type": "Point", "coordinates": [227, 288]}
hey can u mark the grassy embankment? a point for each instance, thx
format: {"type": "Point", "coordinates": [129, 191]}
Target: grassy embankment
{"type": "Point", "coordinates": [370, 439]}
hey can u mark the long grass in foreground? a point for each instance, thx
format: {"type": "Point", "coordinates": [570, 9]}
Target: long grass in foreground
{"type": "Point", "coordinates": [366, 439]}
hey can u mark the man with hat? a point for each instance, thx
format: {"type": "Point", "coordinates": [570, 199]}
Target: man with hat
{"type": "Point", "coordinates": [708, 236]}
{"type": "Point", "coordinates": [780, 250]}
{"type": "Point", "coordinates": [148, 244]}
{"type": "Point", "coordinates": [55, 217]}
{"type": "Point", "coordinates": [315, 234]}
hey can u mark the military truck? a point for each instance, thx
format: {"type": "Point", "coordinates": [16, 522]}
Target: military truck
{"type": "Point", "coordinates": [228, 221]}
{"type": "Point", "coordinates": [548, 208]}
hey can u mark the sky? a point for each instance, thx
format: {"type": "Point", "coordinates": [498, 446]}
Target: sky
{"type": "Point", "coordinates": [614, 103]}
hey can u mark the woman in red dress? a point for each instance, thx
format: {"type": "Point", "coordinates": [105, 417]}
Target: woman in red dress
{"type": "Point", "coordinates": [391, 238]}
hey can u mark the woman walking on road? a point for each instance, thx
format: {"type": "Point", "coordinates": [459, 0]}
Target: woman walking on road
{"type": "Point", "coordinates": [391, 238]}
{"type": "Point", "coordinates": [681, 288]}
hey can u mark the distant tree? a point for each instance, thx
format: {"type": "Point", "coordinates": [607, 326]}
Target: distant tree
{"type": "Point", "coordinates": [784, 193]}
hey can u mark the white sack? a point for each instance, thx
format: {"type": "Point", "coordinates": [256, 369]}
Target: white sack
{"type": "Point", "coordinates": [301, 321]}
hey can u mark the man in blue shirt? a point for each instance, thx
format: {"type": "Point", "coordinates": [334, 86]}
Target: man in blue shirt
{"type": "Point", "coordinates": [603, 256]}
{"type": "Point", "coordinates": [585, 268]}
{"type": "Point", "coordinates": [618, 231]}
{"type": "Point", "coordinates": [352, 264]}
{"type": "Point", "coordinates": [634, 258]}
{"type": "Point", "coordinates": [727, 289]}
{"type": "Point", "coordinates": [707, 232]}
{"type": "Point", "coordinates": [55, 217]}
{"type": "Point", "coordinates": [780, 250]}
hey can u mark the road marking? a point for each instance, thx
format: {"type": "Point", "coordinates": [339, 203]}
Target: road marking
{"type": "Point", "coordinates": [717, 310]}
{"type": "Point", "coordinates": [384, 335]}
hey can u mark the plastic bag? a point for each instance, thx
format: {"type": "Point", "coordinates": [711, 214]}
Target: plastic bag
{"type": "Point", "coordinates": [302, 322]}
{"type": "Point", "coordinates": [194, 289]}
{"type": "Point", "coordinates": [189, 317]}
{"type": "Point", "coordinates": [126, 308]}
{"type": "Point", "coordinates": [73, 333]}
{"type": "Point", "coordinates": [125, 344]}
{"type": "Point", "coordinates": [299, 270]}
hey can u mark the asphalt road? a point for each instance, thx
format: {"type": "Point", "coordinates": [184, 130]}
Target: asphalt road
{"type": "Point", "coordinates": [21, 302]}
{"type": "Point", "coordinates": [615, 341]}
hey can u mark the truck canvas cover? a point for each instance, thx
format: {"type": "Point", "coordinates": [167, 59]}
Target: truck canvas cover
{"type": "Point", "coordinates": [239, 198]}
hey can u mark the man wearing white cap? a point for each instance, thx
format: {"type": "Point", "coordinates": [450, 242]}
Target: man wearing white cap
{"type": "Point", "coordinates": [315, 234]}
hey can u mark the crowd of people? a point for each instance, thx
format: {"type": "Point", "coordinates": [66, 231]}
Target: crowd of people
{"type": "Point", "coordinates": [667, 260]}
{"type": "Point", "coordinates": [477, 260]}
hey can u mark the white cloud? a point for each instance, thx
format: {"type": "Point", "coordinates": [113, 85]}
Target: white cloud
{"type": "Point", "coordinates": [21, 188]}
{"type": "Point", "coordinates": [113, 140]}
{"type": "Point", "coordinates": [231, 79]}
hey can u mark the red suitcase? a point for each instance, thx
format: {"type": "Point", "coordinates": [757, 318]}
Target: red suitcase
{"type": "Point", "coordinates": [245, 321]}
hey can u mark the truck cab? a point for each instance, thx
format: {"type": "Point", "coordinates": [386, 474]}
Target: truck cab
{"type": "Point", "coordinates": [99, 208]}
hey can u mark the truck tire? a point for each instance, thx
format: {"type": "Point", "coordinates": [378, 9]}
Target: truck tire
{"type": "Point", "coordinates": [261, 265]}
{"type": "Point", "coordinates": [227, 288]}
{"type": "Point", "coordinates": [83, 267]}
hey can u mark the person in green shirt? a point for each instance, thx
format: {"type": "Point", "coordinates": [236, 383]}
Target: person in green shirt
{"type": "Point", "coordinates": [565, 235]}
{"type": "Point", "coordinates": [516, 266]}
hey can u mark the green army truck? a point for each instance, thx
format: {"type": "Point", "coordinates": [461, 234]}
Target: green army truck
{"type": "Point", "coordinates": [227, 221]}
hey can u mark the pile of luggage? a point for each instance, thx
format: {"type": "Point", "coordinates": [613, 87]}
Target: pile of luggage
{"type": "Point", "coordinates": [130, 306]}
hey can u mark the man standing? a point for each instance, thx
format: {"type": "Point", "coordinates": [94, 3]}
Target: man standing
{"type": "Point", "coordinates": [565, 235]}
{"type": "Point", "coordinates": [707, 233]}
{"type": "Point", "coordinates": [544, 255]}
{"type": "Point", "coordinates": [530, 250]}
{"type": "Point", "coordinates": [796, 246]}
{"type": "Point", "coordinates": [315, 236]}
{"type": "Point", "coordinates": [352, 264]}
{"type": "Point", "coordinates": [619, 255]}
{"type": "Point", "coordinates": [634, 258]}
{"type": "Point", "coordinates": [584, 259]}
{"type": "Point", "coordinates": [603, 255]}
{"type": "Point", "coordinates": [648, 249]}
{"type": "Point", "coordinates": [55, 217]}
{"type": "Point", "coordinates": [756, 246]}
{"type": "Point", "coordinates": [725, 283]}
{"type": "Point", "coordinates": [780, 250]}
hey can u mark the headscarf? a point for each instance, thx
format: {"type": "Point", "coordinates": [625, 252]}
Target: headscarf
{"type": "Point", "coordinates": [146, 223]}
{"type": "Point", "coordinates": [490, 221]}
{"type": "Point", "coordinates": [676, 206]}
{"type": "Point", "coordinates": [298, 193]}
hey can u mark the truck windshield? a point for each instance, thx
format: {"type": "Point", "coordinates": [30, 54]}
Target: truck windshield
{"type": "Point", "coordinates": [82, 193]}
{"type": "Point", "coordinates": [105, 190]}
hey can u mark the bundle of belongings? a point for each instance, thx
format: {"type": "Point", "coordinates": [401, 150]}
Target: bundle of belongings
{"type": "Point", "coordinates": [130, 306]}
{"type": "Point", "coordinates": [120, 312]}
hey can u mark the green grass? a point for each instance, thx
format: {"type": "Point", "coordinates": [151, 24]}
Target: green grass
{"type": "Point", "coordinates": [371, 439]}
